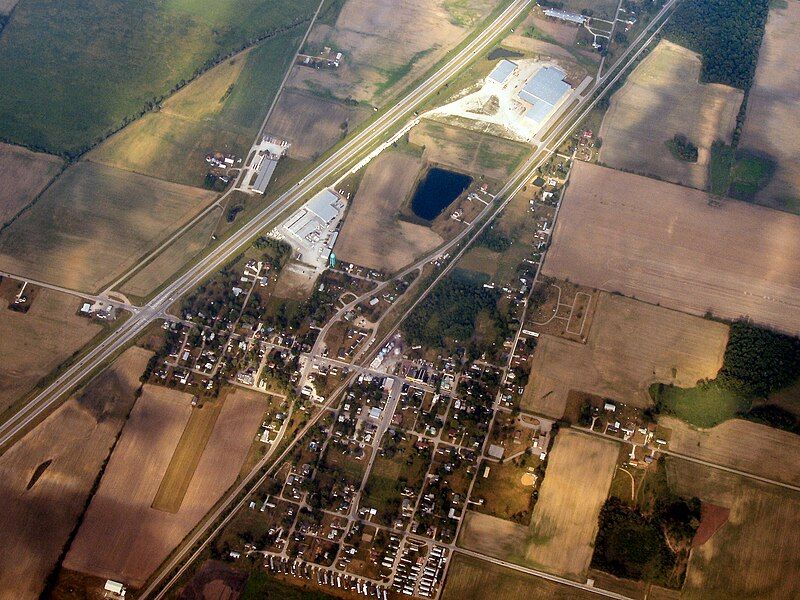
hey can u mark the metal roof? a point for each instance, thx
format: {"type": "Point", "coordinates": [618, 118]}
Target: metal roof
{"type": "Point", "coordinates": [324, 205]}
{"type": "Point", "coordinates": [265, 174]}
{"type": "Point", "coordinates": [539, 112]}
{"type": "Point", "coordinates": [565, 15]}
{"type": "Point", "coordinates": [503, 69]}
{"type": "Point", "coordinates": [547, 84]}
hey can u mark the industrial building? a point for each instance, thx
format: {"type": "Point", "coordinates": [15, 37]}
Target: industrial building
{"type": "Point", "coordinates": [312, 229]}
{"type": "Point", "coordinates": [544, 92]}
{"type": "Point", "coordinates": [502, 71]}
{"type": "Point", "coordinates": [563, 15]}
{"type": "Point", "coordinates": [269, 152]}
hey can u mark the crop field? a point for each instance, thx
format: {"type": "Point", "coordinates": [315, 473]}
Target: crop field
{"type": "Point", "coordinates": [193, 241]}
{"type": "Point", "coordinates": [494, 537]}
{"type": "Point", "coordinates": [312, 124]}
{"type": "Point", "coordinates": [110, 60]}
{"type": "Point", "coordinates": [474, 579]}
{"type": "Point", "coordinates": [221, 111]}
{"type": "Point", "coordinates": [661, 98]}
{"type": "Point", "coordinates": [36, 342]}
{"type": "Point", "coordinates": [130, 544]}
{"type": "Point", "coordinates": [772, 124]}
{"type": "Point", "coordinates": [630, 345]}
{"type": "Point", "coordinates": [372, 235]}
{"type": "Point", "coordinates": [23, 175]}
{"type": "Point", "coordinates": [767, 452]}
{"type": "Point", "coordinates": [379, 62]}
{"type": "Point", "coordinates": [564, 521]}
{"type": "Point", "coordinates": [46, 477]}
{"type": "Point", "coordinates": [750, 556]}
{"type": "Point", "coordinates": [468, 151]}
{"type": "Point", "coordinates": [93, 223]}
{"type": "Point", "coordinates": [669, 245]}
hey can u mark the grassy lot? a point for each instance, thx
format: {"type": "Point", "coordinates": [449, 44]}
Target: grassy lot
{"type": "Point", "coordinates": [503, 492]}
{"type": "Point", "coordinates": [220, 111]}
{"type": "Point", "coordinates": [739, 174]}
{"type": "Point", "coordinates": [72, 71]}
{"type": "Point", "coordinates": [262, 585]}
{"type": "Point", "coordinates": [703, 406]}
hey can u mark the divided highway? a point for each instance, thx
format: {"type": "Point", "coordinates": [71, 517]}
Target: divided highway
{"type": "Point", "coordinates": [336, 165]}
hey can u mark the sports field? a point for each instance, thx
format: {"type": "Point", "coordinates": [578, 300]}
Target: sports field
{"type": "Point", "coordinates": [312, 124]}
{"type": "Point", "coordinates": [73, 70]}
{"type": "Point", "coordinates": [94, 223]}
{"type": "Point", "coordinates": [772, 125]}
{"type": "Point", "coordinates": [667, 244]}
{"type": "Point", "coordinates": [23, 174]}
{"type": "Point", "coordinates": [631, 344]}
{"type": "Point", "coordinates": [468, 151]}
{"type": "Point", "coordinates": [744, 445]}
{"type": "Point", "coordinates": [36, 342]}
{"type": "Point", "coordinates": [663, 97]}
{"type": "Point", "coordinates": [474, 579]}
{"type": "Point", "coordinates": [46, 478]}
{"type": "Point", "coordinates": [221, 111]}
{"type": "Point", "coordinates": [130, 544]}
{"type": "Point", "coordinates": [372, 235]}
{"type": "Point", "coordinates": [756, 552]}
{"type": "Point", "coordinates": [564, 521]}
{"type": "Point", "coordinates": [380, 61]}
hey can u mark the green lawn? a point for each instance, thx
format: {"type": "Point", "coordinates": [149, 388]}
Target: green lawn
{"type": "Point", "coordinates": [704, 406]}
{"type": "Point", "coordinates": [261, 585]}
{"type": "Point", "coordinates": [71, 71]}
{"type": "Point", "coordinates": [739, 174]}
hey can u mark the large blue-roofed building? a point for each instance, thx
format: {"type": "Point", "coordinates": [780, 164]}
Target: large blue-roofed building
{"type": "Point", "coordinates": [544, 91]}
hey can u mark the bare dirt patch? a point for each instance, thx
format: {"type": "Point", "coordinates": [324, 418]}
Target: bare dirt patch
{"type": "Point", "coordinates": [372, 235]}
{"type": "Point", "coordinates": [712, 517]}
{"type": "Point", "coordinates": [661, 98]}
{"type": "Point", "coordinates": [631, 345]}
{"type": "Point", "coordinates": [564, 521]}
{"type": "Point", "coordinates": [312, 124]}
{"type": "Point", "coordinates": [23, 174]}
{"type": "Point", "coordinates": [124, 538]}
{"type": "Point", "coordinates": [772, 125]}
{"type": "Point", "coordinates": [494, 536]}
{"type": "Point", "coordinates": [38, 516]}
{"type": "Point", "coordinates": [36, 342]}
{"type": "Point", "coordinates": [667, 244]}
{"type": "Point", "coordinates": [749, 447]}
{"type": "Point", "coordinates": [753, 553]}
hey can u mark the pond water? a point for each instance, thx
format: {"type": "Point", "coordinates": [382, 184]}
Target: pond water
{"type": "Point", "coordinates": [436, 191]}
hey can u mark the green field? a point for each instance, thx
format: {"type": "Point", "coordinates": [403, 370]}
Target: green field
{"type": "Point", "coordinates": [220, 111]}
{"type": "Point", "coordinates": [739, 174]}
{"type": "Point", "coordinates": [70, 72]}
{"type": "Point", "coordinates": [706, 405]}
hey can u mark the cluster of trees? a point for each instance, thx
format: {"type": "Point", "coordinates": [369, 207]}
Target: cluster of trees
{"type": "Point", "coordinates": [495, 241]}
{"type": "Point", "coordinates": [633, 544]}
{"type": "Point", "coordinates": [449, 312]}
{"type": "Point", "coordinates": [759, 361]}
{"type": "Point", "coordinates": [682, 149]}
{"type": "Point", "coordinates": [726, 33]}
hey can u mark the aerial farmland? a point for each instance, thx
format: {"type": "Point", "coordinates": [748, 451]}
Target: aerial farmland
{"type": "Point", "coordinates": [391, 299]}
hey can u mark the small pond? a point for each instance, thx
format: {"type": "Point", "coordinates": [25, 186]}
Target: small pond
{"type": "Point", "coordinates": [436, 191]}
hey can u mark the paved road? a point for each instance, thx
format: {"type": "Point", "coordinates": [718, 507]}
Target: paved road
{"type": "Point", "coordinates": [57, 288]}
{"type": "Point", "coordinates": [336, 164]}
